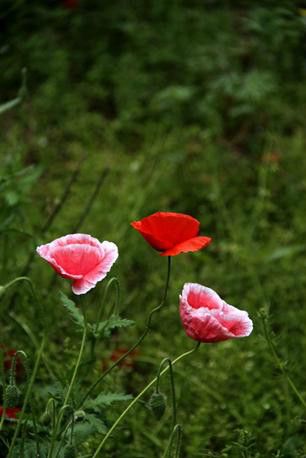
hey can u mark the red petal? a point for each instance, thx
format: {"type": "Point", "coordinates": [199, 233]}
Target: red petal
{"type": "Point", "coordinates": [193, 244]}
{"type": "Point", "coordinates": [164, 230]}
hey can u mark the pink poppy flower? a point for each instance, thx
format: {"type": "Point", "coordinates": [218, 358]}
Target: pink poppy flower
{"type": "Point", "coordinates": [80, 258]}
{"type": "Point", "coordinates": [207, 318]}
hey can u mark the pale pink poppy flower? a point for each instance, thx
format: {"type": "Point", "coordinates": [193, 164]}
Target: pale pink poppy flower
{"type": "Point", "coordinates": [207, 318]}
{"type": "Point", "coordinates": [80, 258]}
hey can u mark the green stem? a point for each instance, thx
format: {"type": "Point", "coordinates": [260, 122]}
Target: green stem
{"type": "Point", "coordinates": [65, 404]}
{"type": "Point", "coordinates": [113, 309]}
{"type": "Point", "coordinates": [137, 343]}
{"type": "Point", "coordinates": [115, 306]}
{"type": "Point", "coordinates": [63, 434]}
{"type": "Point", "coordinates": [37, 302]}
{"type": "Point", "coordinates": [77, 365]}
{"type": "Point", "coordinates": [171, 375]}
{"type": "Point", "coordinates": [35, 343]}
{"type": "Point", "coordinates": [3, 415]}
{"type": "Point", "coordinates": [18, 279]}
{"type": "Point", "coordinates": [177, 430]}
{"type": "Point", "coordinates": [135, 400]}
{"type": "Point", "coordinates": [280, 364]}
{"type": "Point", "coordinates": [24, 326]}
{"type": "Point", "coordinates": [27, 396]}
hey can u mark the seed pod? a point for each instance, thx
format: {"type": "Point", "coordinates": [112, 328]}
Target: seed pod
{"type": "Point", "coordinates": [157, 404]}
{"type": "Point", "coordinates": [11, 396]}
{"type": "Point", "coordinates": [69, 451]}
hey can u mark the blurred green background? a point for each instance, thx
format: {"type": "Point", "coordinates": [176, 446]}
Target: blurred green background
{"type": "Point", "coordinates": [131, 107]}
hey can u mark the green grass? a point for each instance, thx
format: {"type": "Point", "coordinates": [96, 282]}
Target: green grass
{"type": "Point", "coordinates": [238, 167]}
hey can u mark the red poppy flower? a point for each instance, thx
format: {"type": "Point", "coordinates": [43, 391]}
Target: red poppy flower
{"type": "Point", "coordinates": [10, 412]}
{"type": "Point", "coordinates": [171, 233]}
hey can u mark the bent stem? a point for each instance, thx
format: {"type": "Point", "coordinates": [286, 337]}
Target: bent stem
{"type": "Point", "coordinates": [32, 289]}
{"type": "Point", "coordinates": [137, 343]}
{"type": "Point", "coordinates": [135, 400]}
{"type": "Point", "coordinates": [27, 397]}
{"type": "Point", "coordinates": [26, 329]}
{"type": "Point", "coordinates": [279, 362]}
{"type": "Point", "coordinates": [177, 430]}
{"type": "Point", "coordinates": [18, 279]}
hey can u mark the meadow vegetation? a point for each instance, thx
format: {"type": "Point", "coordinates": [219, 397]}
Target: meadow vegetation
{"type": "Point", "coordinates": [128, 108]}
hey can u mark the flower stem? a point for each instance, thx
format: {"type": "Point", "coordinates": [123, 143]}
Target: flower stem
{"type": "Point", "coordinates": [76, 365]}
{"type": "Point", "coordinates": [65, 403]}
{"type": "Point", "coordinates": [137, 343]}
{"type": "Point", "coordinates": [177, 430]}
{"type": "Point", "coordinates": [171, 375]}
{"type": "Point", "coordinates": [27, 397]}
{"type": "Point", "coordinates": [135, 400]}
{"type": "Point", "coordinates": [112, 310]}
{"type": "Point", "coordinates": [18, 279]}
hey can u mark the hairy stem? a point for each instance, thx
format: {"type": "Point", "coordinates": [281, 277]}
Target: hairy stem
{"type": "Point", "coordinates": [137, 343]}
{"type": "Point", "coordinates": [135, 400]}
{"type": "Point", "coordinates": [65, 404]}
{"type": "Point", "coordinates": [171, 376]}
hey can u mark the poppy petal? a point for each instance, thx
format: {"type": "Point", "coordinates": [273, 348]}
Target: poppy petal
{"type": "Point", "coordinates": [89, 281]}
{"type": "Point", "coordinates": [163, 230]}
{"type": "Point", "coordinates": [205, 329]}
{"type": "Point", "coordinates": [193, 244]}
{"type": "Point", "coordinates": [199, 296]}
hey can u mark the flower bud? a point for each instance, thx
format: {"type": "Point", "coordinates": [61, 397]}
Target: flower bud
{"type": "Point", "coordinates": [11, 396]}
{"type": "Point", "coordinates": [157, 404]}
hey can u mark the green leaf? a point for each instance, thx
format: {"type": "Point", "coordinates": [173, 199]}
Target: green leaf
{"type": "Point", "coordinates": [89, 426]}
{"type": "Point", "coordinates": [106, 399]}
{"type": "Point", "coordinates": [74, 312]}
{"type": "Point", "coordinates": [105, 328]}
{"type": "Point", "coordinates": [30, 449]}
{"type": "Point", "coordinates": [53, 390]}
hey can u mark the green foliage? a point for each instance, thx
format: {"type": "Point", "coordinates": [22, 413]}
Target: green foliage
{"type": "Point", "coordinates": [105, 400]}
{"type": "Point", "coordinates": [193, 106]}
{"type": "Point", "coordinates": [105, 328]}
{"type": "Point", "coordinates": [87, 427]}
{"type": "Point", "coordinates": [75, 313]}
